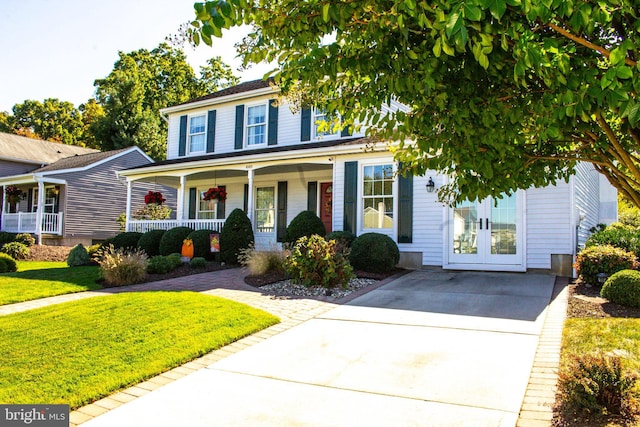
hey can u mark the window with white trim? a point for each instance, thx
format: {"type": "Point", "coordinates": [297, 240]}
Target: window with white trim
{"type": "Point", "coordinates": [256, 124]}
{"type": "Point", "coordinates": [50, 199]}
{"type": "Point", "coordinates": [265, 214]}
{"type": "Point", "coordinates": [320, 129]}
{"type": "Point", "coordinates": [377, 196]}
{"type": "Point", "coordinates": [197, 133]}
{"type": "Point", "coordinates": [207, 209]}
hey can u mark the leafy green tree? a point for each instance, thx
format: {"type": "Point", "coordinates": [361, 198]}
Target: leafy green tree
{"type": "Point", "coordinates": [141, 83]}
{"type": "Point", "coordinates": [52, 120]}
{"type": "Point", "coordinates": [4, 122]}
{"type": "Point", "coordinates": [501, 94]}
{"type": "Point", "coordinates": [92, 112]}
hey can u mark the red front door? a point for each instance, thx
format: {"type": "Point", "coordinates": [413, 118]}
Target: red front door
{"type": "Point", "coordinates": [326, 204]}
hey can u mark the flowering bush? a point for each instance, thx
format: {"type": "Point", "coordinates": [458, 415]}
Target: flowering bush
{"type": "Point", "coordinates": [603, 259]}
{"type": "Point", "coordinates": [154, 197]}
{"type": "Point", "coordinates": [215, 193]}
{"type": "Point", "coordinates": [314, 262]}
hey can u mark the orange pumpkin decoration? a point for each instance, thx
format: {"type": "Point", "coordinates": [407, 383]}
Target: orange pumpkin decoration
{"type": "Point", "coordinates": [187, 248]}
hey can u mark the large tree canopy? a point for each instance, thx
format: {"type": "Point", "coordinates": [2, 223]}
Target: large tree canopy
{"type": "Point", "coordinates": [53, 120]}
{"type": "Point", "coordinates": [503, 94]}
{"type": "Point", "coordinates": [143, 82]}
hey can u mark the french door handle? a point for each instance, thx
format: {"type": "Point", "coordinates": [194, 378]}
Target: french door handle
{"type": "Point", "coordinates": [487, 222]}
{"type": "Point", "coordinates": [480, 223]}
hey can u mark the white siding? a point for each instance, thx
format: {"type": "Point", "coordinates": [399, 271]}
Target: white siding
{"type": "Point", "coordinates": [428, 225]}
{"type": "Point", "coordinates": [548, 224]}
{"type": "Point", "coordinates": [587, 200]}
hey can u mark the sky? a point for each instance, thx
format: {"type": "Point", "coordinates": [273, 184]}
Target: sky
{"type": "Point", "coordinates": [56, 49]}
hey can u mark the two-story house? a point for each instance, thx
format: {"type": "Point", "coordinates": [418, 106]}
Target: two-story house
{"type": "Point", "coordinates": [274, 163]}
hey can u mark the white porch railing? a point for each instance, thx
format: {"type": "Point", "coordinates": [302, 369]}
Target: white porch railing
{"type": "Point", "coordinates": [26, 222]}
{"type": "Point", "coordinates": [142, 226]}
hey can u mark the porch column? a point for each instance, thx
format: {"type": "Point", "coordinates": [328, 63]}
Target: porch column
{"type": "Point", "coordinates": [250, 173]}
{"type": "Point", "coordinates": [39, 211]}
{"type": "Point", "coordinates": [180, 201]}
{"type": "Point", "coordinates": [4, 198]}
{"type": "Point", "coordinates": [128, 208]}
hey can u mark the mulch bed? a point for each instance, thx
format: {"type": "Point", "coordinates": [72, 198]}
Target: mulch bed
{"type": "Point", "coordinates": [277, 276]}
{"type": "Point", "coordinates": [585, 301]}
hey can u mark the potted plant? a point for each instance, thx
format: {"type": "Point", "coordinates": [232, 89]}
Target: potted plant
{"type": "Point", "coordinates": [216, 194]}
{"type": "Point", "coordinates": [14, 196]}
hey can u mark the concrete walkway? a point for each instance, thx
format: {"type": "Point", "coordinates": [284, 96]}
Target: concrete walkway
{"type": "Point", "coordinates": [430, 348]}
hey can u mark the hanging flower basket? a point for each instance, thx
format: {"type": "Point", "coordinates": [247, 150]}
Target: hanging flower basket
{"type": "Point", "coordinates": [14, 194]}
{"type": "Point", "coordinates": [154, 198]}
{"type": "Point", "coordinates": [216, 194]}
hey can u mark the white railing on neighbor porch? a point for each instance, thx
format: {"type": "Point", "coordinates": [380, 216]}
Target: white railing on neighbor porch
{"type": "Point", "coordinates": [142, 226]}
{"type": "Point", "coordinates": [26, 222]}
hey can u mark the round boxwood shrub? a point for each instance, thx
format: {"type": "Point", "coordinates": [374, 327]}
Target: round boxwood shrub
{"type": "Point", "coordinates": [150, 242]}
{"type": "Point", "coordinates": [78, 256]}
{"type": "Point", "coordinates": [126, 240]}
{"type": "Point", "coordinates": [201, 243]}
{"type": "Point", "coordinates": [16, 250]}
{"type": "Point", "coordinates": [198, 262]}
{"type": "Point", "coordinates": [171, 241]}
{"type": "Point", "coordinates": [236, 234]}
{"type": "Point", "coordinates": [6, 237]}
{"type": "Point", "coordinates": [374, 252]}
{"type": "Point", "coordinates": [618, 235]}
{"type": "Point", "coordinates": [603, 259]}
{"type": "Point", "coordinates": [344, 240]}
{"type": "Point", "coordinates": [623, 288]}
{"type": "Point", "coordinates": [7, 264]}
{"type": "Point", "coordinates": [305, 224]}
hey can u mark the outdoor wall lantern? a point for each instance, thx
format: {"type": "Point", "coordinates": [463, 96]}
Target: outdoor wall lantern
{"type": "Point", "coordinates": [431, 186]}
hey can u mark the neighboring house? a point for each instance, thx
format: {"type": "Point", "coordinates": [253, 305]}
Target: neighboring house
{"type": "Point", "coordinates": [72, 195]}
{"type": "Point", "coordinates": [275, 163]}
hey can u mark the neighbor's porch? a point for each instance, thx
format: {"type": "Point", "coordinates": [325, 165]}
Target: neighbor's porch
{"type": "Point", "coordinates": [32, 206]}
{"type": "Point", "coordinates": [271, 194]}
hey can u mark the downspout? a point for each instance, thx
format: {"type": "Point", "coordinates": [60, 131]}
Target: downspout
{"type": "Point", "coordinates": [39, 210]}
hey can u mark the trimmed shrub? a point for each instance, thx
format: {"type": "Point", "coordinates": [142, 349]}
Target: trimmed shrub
{"type": "Point", "coordinates": [171, 241]}
{"type": "Point", "coordinates": [16, 250]}
{"type": "Point", "coordinates": [314, 262]}
{"type": "Point", "coordinates": [597, 385]}
{"type": "Point", "coordinates": [623, 288]}
{"type": "Point", "coordinates": [150, 242]}
{"type": "Point", "coordinates": [344, 240]}
{"type": "Point", "coordinates": [262, 262]}
{"type": "Point", "coordinates": [603, 259]}
{"type": "Point", "coordinates": [26, 239]}
{"type": "Point", "coordinates": [201, 243]}
{"type": "Point", "coordinates": [618, 235]}
{"type": "Point", "coordinates": [175, 260]}
{"type": "Point", "coordinates": [374, 252]}
{"type": "Point", "coordinates": [126, 240]}
{"type": "Point", "coordinates": [6, 237]}
{"type": "Point", "coordinates": [198, 262]}
{"type": "Point", "coordinates": [236, 234]}
{"type": "Point", "coordinates": [78, 256]}
{"type": "Point", "coordinates": [158, 264]}
{"type": "Point", "coordinates": [7, 264]}
{"type": "Point", "coordinates": [306, 223]}
{"type": "Point", "coordinates": [121, 267]}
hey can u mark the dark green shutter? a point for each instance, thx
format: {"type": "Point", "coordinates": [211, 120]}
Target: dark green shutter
{"type": "Point", "coordinates": [220, 214]}
{"type": "Point", "coordinates": [193, 194]}
{"type": "Point", "coordinates": [405, 208]}
{"type": "Point", "coordinates": [239, 141]}
{"type": "Point", "coordinates": [305, 126]}
{"type": "Point", "coordinates": [282, 211]}
{"type": "Point", "coordinates": [312, 197]}
{"type": "Point", "coordinates": [182, 140]}
{"type": "Point", "coordinates": [350, 196]}
{"type": "Point", "coordinates": [272, 131]}
{"type": "Point", "coordinates": [29, 201]}
{"type": "Point", "coordinates": [211, 131]}
{"type": "Point", "coordinates": [246, 198]}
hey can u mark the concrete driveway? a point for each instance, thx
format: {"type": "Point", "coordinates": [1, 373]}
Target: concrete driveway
{"type": "Point", "coordinates": [432, 348]}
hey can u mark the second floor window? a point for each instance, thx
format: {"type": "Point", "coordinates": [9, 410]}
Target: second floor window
{"type": "Point", "coordinates": [196, 134]}
{"type": "Point", "coordinates": [256, 124]}
{"type": "Point", "coordinates": [322, 129]}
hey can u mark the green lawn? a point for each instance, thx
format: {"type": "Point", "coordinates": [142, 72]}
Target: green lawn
{"type": "Point", "coordinates": [79, 351]}
{"type": "Point", "coordinates": [584, 335]}
{"type": "Point", "coordinates": [35, 279]}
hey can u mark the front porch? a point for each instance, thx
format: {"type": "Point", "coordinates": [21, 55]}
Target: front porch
{"type": "Point", "coordinates": [142, 226]}
{"type": "Point", "coordinates": [27, 222]}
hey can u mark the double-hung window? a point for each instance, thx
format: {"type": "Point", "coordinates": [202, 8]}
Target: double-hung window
{"type": "Point", "coordinates": [256, 124]}
{"type": "Point", "coordinates": [377, 196]}
{"type": "Point", "coordinates": [196, 134]}
{"type": "Point", "coordinates": [207, 209]}
{"type": "Point", "coordinates": [265, 213]}
{"type": "Point", "coordinates": [323, 125]}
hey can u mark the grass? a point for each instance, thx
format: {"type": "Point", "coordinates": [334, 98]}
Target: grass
{"type": "Point", "coordinates": [39, 279]}
{"type": "Point", "coordinates": [80, 351]}
{"type": "Point", "coordinates": [586, 335]}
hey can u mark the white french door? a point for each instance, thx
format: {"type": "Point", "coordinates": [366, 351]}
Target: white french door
{"type": "Point", "coordinates": [487, 235]}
